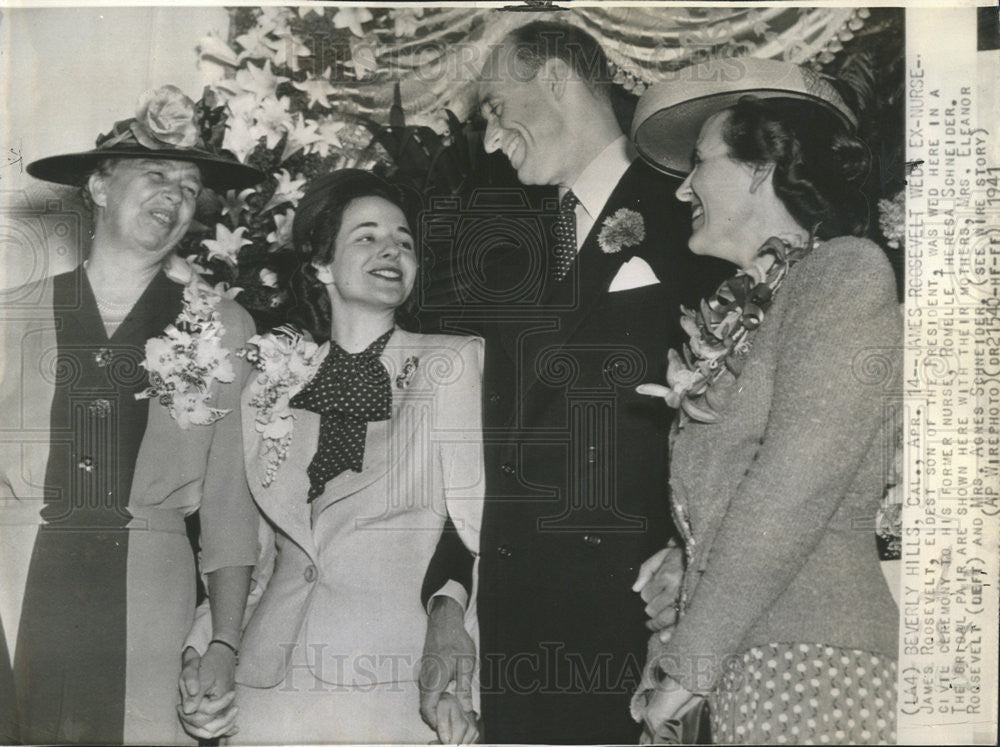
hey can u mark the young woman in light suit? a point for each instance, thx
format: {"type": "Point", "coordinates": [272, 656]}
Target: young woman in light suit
{"type": "Point", "coordinates": [356, 452]}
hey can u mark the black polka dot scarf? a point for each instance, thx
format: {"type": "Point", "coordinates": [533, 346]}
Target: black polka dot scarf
{"type": "Point", "coordinates": [348, 391]}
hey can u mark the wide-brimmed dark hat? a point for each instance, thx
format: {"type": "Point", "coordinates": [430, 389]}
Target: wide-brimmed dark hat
{"type": "Point", "coordinates": [164, 128]}
{"type": "Point", "coordinates": [670, 113]}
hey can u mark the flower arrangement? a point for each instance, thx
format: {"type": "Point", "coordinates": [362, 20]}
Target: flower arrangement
{"type": "Point", "coordinates": [274, 104]}
{"type": "Point", "coordinates": [286, 361]}
{"type": "Point", "coordinates": [700, 380]}
{"type": "Point", "coordinates": [187, 358]}
{"type": "Point", "coordinates": [620, 230]}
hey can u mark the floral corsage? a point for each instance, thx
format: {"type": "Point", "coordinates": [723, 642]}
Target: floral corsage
{"type": "Point", "coordinates": [720, 332]}
{"type": "Point", "coordinates": [286, 361]}
{"type": "Point", "coordinates": [185, 360]}
{"type": "Point", "coordinates": [622, 229]}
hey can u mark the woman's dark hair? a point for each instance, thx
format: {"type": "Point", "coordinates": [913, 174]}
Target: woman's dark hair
{"type": "Point", "coordinates": [819, 167]}
{"type": "Point", "coordinates": [314, 234]}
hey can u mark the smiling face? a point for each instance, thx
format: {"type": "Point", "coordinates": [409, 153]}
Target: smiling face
{"type": "Point", "coordinates": [719, 189]}
{"type": "Point", "coordinates": [524, 121]}
{"type": "Point", "coordinates": [145, 204]}
{"type": "Point", "coordinates": [374, 263]}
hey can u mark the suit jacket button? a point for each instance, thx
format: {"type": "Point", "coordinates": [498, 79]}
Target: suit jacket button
{"type": "Point", "coordinates": [494, 398]}
{"type": "Point", "coordinates": [594, 540]}
{"type": "Point", "coordinates": [310, 573]}
{"type": "Point", "coordinates": [504, 552]}
{"type": "Point", "coordinates": [507, 468]}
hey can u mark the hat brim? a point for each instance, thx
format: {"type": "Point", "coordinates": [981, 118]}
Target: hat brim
{"type": "Point", "coordinates": [666, 139]}
{"type": "Point", "coordinates": [217, 172]}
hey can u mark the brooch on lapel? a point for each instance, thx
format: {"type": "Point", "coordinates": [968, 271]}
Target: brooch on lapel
{"type": "Point", "coordinates": [406, 375]}
{"type": "Point", "coordinates": [622, 229]}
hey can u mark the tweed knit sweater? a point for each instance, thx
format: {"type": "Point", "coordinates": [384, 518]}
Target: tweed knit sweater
{"type": "Point", "coordinates": [782, 492]}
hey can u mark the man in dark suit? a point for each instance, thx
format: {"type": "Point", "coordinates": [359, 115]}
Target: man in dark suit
{"type": "Point", "coordinates": [576, 461]}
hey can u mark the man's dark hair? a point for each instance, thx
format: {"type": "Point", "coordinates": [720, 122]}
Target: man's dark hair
{"type": "Point", "coordinates": [539, 41]}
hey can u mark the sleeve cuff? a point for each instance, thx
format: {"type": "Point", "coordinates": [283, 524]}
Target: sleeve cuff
{"type": "Point", "coordinates": [451, 589]}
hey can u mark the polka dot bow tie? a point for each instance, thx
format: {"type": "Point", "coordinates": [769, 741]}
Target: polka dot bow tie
{"type": "Point", "coordinates": [348, 391]}
{"type": "Point", "coordinates": [564, 251]}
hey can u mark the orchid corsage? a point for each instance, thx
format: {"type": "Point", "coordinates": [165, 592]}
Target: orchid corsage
{"type": "Point", "coordinates": [286, 361]}
{"type": "Point", "coordinates": [185, 360]}
{"type": "Point", "coordinates": [622, 229]}
{"type": "Point", "coordinates": [720, 330]}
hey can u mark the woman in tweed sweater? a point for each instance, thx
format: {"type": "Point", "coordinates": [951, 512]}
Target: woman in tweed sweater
{"type": "Point", "coordinates": [783, 618]}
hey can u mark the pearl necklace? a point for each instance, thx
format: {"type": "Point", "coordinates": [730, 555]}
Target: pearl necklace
{"type": "Point", "coordinates": [112, 309]}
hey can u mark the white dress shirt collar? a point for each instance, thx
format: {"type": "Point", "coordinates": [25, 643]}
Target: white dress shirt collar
{"type": "Point", "coordinates": [596, 182]}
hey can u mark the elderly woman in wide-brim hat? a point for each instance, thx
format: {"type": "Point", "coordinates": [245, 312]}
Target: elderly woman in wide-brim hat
{"type": "Point", "coordinates": [119, 404]}
{"type": "Point", "coordinates": [783, 621]}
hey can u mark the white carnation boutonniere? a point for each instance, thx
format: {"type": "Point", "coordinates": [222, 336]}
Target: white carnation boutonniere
{"type": "Point", "coordinates": [286, 360]}
{"type": "Point", "coordinates": [187, 358]}
{"type": "Point", "coordinates": [623, 229]}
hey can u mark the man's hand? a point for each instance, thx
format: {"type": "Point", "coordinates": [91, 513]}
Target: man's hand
{"type": "Point", "coordinates": [207, 686]}
{"type": "Point", "coordinates": [449, 656]}
{"type": "Point", "coordinates": [455, 725]}
{"type": "Point", "coordinates": [659, 584]}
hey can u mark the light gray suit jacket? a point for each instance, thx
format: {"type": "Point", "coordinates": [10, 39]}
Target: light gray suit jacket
{"type": "Point", "coordinates": [342, 576]}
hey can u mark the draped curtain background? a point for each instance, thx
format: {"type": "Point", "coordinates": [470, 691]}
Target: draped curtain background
{"type": "Point", "coordinates": [435, 54]}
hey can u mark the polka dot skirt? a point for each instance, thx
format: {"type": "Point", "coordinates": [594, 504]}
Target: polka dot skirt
{"type": "Point", "coordinates": [805, 694]}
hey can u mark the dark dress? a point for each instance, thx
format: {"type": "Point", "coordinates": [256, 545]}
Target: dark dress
{"type": "Point", "coordinates": [109, 594]}
{"type": "Point", "coordinates": [71, 657]}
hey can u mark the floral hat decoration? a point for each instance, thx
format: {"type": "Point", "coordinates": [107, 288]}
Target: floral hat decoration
{"type": "Point", "coordinates": [670, 113]}
{"type": "Point", "coordinates": [164, 127]}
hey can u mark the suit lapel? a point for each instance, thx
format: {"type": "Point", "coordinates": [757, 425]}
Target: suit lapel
{"type": "Point", "coordinates": [574, 299]}
{"type": "Point", "coordinates": [284, 500]}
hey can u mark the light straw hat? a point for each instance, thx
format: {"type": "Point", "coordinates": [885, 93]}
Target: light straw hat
{"type": "Point", "coordinates": [670, 113]}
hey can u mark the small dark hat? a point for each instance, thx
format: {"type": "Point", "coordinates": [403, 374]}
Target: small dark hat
{"type": "Point", "coordinates": [164, 128]}
{"type": "Point", "coordinates": [336, 187]}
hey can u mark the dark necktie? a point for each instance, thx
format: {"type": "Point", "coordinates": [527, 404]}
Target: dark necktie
{"type": "Point", "coordinates": [565, 248]}
{"type": "Point", "coordinates": [348, 391]}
